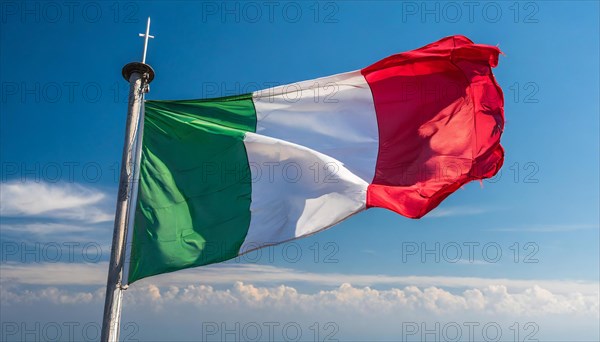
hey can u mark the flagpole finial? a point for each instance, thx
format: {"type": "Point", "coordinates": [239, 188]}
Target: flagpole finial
{"type": "Point", "coordinates": [141, 67]}
{"type": "Point", "coordinates": [146, 37]}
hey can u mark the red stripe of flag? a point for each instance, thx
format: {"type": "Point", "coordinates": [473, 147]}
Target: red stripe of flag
{"type": "Point", "coordinates": [440, 116]}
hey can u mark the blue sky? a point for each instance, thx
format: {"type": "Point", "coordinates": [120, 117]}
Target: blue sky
{"type": "Point", "coordinates": [62, 117]}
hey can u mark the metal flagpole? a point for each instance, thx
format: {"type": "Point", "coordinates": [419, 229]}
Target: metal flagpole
{"type": "Point", "coordinates": [139, 75]}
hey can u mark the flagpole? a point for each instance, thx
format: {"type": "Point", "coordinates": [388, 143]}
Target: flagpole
{"type": "Point", "coordinates": [139, 75]}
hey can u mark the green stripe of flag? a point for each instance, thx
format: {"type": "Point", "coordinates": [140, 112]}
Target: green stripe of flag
{"type": "Point", "coordinates": [194, 194]}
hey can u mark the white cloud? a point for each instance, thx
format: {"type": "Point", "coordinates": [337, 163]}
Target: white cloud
{"type": "Point", "coordinates": [180, 300]}
{"type": "Point", "coordinates": [53, 274]}
{"type": "Point", "coordinates": [46, 228]}
{"type": "Point", "coordinates": [49, 294]}
{"type": "Point", "coordinates": [490, 299]}
{"type": "Point", "coordinates": [60, 201]}
{"type": "Point", "coordinates": [229, 273]}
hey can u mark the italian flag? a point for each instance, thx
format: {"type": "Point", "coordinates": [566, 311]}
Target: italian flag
{"type": "Point", "coordinates": [221, 177]}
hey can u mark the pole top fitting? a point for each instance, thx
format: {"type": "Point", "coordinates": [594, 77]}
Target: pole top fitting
{"type": "Point", "coordinates": [144, 70]}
